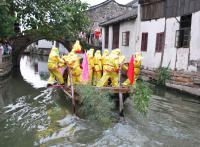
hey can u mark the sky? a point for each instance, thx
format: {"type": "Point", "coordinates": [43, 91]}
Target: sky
{"type": "Point", "coordinates": [95, 2]}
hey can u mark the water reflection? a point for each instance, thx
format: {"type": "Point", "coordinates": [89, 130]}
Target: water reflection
{"type": "Point", "coordinates": [34, 70]}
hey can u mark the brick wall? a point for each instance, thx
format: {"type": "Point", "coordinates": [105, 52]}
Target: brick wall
{"type": "Point", "coordinates": [104, 12]}
{"type": "Point", "coordinates": [185, 81]}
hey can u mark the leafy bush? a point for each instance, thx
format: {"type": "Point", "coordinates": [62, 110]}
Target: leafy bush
{"type": "Point", "coordinates": [163, 75]}
{"type": "Point", "coordinates": [95, 105]}
{"type": "Point", "coordinates": [140, 95]}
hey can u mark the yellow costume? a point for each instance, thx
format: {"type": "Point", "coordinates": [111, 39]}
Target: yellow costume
{"type": "Point", "coordinates": [76, 47]}
{"type": "Point", "coordinates": [105, 54]}
{"type": "Point", "coordinates": [90, 55]}
{"type": "Point", "coordinates": [53, 67]}
{"type": "Point", "coordinates": [111, 69]}
{"type": "Point", "coordinates": [137, 65]}
{"type": "Point", "coordinates": [105, 57]}
{"type": "Point", "coordinates": [73, 61]}
{"type": "Point", "coordinates": [97, 67]}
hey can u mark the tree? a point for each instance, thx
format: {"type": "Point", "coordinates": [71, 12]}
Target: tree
{"type": "Point", "coordinates": [6, 21]}
{"type": "Point", "coordinates": [53, 19]}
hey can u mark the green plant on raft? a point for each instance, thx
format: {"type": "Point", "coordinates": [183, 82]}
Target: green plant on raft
{"type": "Point", "coordinates": [95, 105]}
{"type": "Point", "coordinates": [163, 75]}
{"type": "Point", "coordinates": [140, 95]}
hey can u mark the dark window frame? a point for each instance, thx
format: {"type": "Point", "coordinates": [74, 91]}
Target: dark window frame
{"type": "Point", "coordinates": [159, 42]}
{"type": "Point", "coordinates": [183, 35]}
{"type": "Point", "coordinates": [125, 38]}
{"type": "Point", "coordinates": [144, 42]}
{"type": "Point", "coordinates": [116, 31]}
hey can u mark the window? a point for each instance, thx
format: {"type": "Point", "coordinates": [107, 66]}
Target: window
{"type": "Point", "coordinates": [159, 42]}
{"type": "Point", "coordinates": [115, 36]}
{"type": "Point", "coordinates": [144, 42]}
{"type": "Point", "coordinates": [183, 34]}
{"type": "Point", "coordinates": [125, 38]}
{"type": "Point", "coordinates": [106, 37]}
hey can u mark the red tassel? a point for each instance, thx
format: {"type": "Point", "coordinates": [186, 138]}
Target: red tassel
{"type": "Point", "coordinates": [78, 52]}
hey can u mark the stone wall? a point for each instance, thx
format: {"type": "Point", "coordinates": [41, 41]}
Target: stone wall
{"type": "Point", "coordinates": [105, 12]}
{"type": "Point", "coordinates": [6, 65]}
{"type": "Point", "coordinates": [185, 81]}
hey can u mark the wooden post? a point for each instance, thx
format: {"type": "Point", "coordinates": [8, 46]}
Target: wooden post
{"type": "Point", "coordinates": [72, 90]}
{"type": "Point", "coordinates": [121, 104]}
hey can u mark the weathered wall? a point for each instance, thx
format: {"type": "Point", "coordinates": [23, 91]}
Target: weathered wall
{"type": "Point", "coordinates": [187, 59]}
{"type": "Point", "coordinates": [184, 59]}
{"type": "Point", "coordinates": [194, 63]}
{"type": "Point", "coordinates": [6, 65]}
{"type": "Point", "coordinates": [104, 12]}
{"type": "Point", "coordinates": [169, 57]}
{"type": "Point", "coordinates": [151, 59]}
{"type": "Point", "coordinates": [131, 27]}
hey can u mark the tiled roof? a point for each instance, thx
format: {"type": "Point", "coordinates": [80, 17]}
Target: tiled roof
{"type": "Point", "coordinates": [104, 3]}
{"type": "Point", "coordinates": [130, 4]}
{"type": "Point", "coordinates": [129, 15]}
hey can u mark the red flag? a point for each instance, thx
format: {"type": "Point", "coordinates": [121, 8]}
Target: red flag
{"type": "Point", "coordinates": [130, 72]}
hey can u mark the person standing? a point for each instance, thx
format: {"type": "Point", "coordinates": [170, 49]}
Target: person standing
{"type": "Point", "coordinates": [97, 67]}
{"type": "Point", "coordinates": [53, 66]}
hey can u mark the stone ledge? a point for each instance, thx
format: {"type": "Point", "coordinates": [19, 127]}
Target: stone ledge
{"type": "Point", "coordinates": [191, 90]}
{"type": "Point", "coordinates": [188, 82]}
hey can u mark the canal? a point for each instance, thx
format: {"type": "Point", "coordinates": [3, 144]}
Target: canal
{"type": "Point", "coordinates": [32, 115]}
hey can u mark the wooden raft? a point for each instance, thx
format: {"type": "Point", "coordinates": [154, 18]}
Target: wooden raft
{"type": "Point", "coordinates": [70, 92]}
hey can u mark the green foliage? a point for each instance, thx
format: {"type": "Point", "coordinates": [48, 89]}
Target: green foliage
{"type": "Point", "coordinates": [53, 19]}
{"type": "Point", "coordinates": [96, 105]}
{"type": "Point", "coordinates": [163, 75]}
{"type": "Point", "coordinates": [6, 20]}
{"type": "Point", "coordinates": [140, 95]}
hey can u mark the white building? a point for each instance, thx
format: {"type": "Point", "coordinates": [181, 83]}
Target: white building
{"type": "Point", "coordinates": [121, 32]}
{"type": "Point", "coordinates": [44, 47]}
{"type": "Point", "coordinates": [167, 33]}
{"type": "Point", "coordinates": [168, 38]}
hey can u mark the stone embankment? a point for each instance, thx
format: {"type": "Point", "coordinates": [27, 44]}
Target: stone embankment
{"type": "Point", "coordinates": [188, 82]}
{"type": "Point", "coordinates": [5, 65]}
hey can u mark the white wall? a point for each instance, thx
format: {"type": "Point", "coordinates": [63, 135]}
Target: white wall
{"type": "Point", "coordinates": [176, 58]}
{"type": "Point", "coordinates": [151, 58]}
{"type": "Point", "coordinates": [130, 26]}
{"type": "Point", "coordinates": [103, 38]}
{"type": "Point", "coordinates": [195, 40]}
{"type": "Point", "coordinates": [110, 38]}
{"type": "Point", "coordinates": [169, 57]}
{"type": "Point", "coordinates": [180, 58]}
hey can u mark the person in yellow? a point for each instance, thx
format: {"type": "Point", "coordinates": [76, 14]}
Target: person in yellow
{"type": "Point", "coordinates": [90, 55]}
{"type": "Point", "coordinates": [137, 65]}
{"type": "Point", "coordinates": [111, 69]}
{"type": "Point", "coordinates": [73, 60]}
{"type": "Point", "coordinates": [53, 67]}
{"type": "Point", "coordinates": [97, 67]}
{"type": "Point", "coordinates": [105, 57]}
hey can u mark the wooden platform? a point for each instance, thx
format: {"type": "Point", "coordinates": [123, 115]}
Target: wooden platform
{"type": "Point", "coordinates": [123, 90]}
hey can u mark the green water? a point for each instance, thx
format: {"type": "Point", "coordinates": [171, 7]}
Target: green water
{"type": "Point", "coordinates": [32, 115]}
